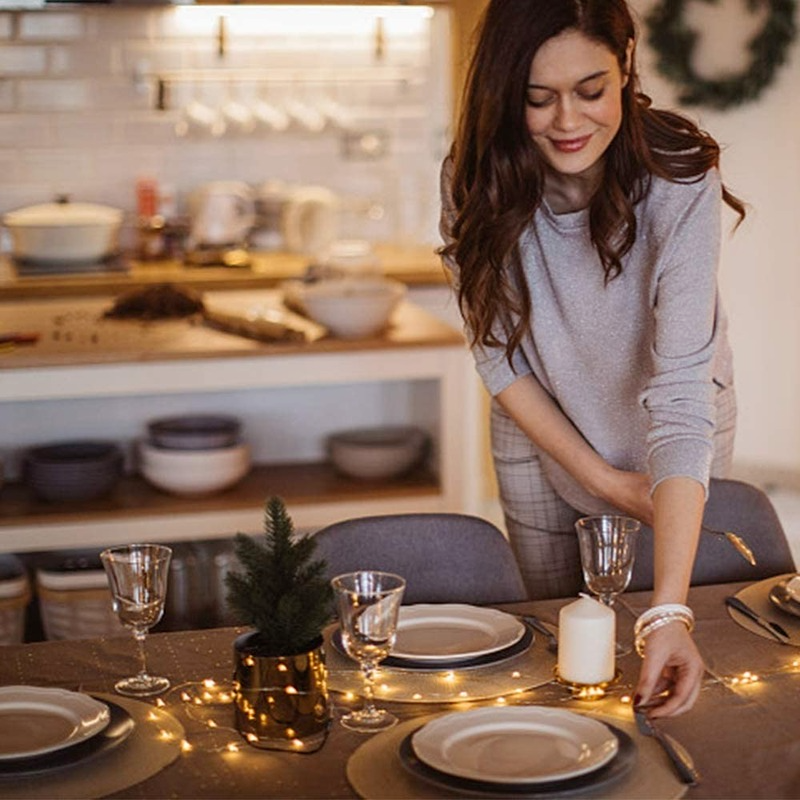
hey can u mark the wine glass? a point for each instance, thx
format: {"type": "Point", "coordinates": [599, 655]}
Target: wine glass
{"type": "Point", "coordinates": [137, 575]}
{"type": "Point", "coordinates": [607, 545]}
{"type": "Point", "coordinates": [368, 603]}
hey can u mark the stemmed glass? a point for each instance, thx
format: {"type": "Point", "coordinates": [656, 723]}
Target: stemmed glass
{"type": "Point", "coordinates": [368, 603]}
{"type": "Point", "coordinates": [137, 575]}
{"type": "Point", "coordinates": [607, 545]}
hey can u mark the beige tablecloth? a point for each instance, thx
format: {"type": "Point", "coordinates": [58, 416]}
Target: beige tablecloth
{"type": "Point", "coordinates": [743, 733]}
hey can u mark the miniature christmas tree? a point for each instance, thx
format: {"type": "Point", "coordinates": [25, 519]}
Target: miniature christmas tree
{"type": "Point", "coordinates": [280, 591]}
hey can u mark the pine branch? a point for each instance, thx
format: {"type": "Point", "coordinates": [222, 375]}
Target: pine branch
{"type": "Point", "coordinates": [280, 590]}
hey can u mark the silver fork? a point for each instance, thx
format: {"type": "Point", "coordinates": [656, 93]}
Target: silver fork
{"type": "Point", "coordinates": [678, 754]}
{"type": "Point", "coordinates": [538, 625]}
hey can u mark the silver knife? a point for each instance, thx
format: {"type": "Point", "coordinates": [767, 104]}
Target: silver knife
{"type": "Point", "coordinates": [678, 754]}
{"type": "Point", "coordinates": [773, 628]}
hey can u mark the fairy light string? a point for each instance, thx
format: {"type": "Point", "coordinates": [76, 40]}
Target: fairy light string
{"type": "Point", "coordinates": [209, 704]}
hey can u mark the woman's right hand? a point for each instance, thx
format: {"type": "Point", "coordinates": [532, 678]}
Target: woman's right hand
{"type": "Point", "coordinates": [629, 492]}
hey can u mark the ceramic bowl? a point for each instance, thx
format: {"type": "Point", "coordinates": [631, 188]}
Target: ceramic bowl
{"type": "Point", "coordinates": [73, 471]}
{"type": "Point", "coordinates": [194, 432]}
{"type": "Point", "coordinates": [379, 453]}
{"type": "Point", "coordinates": [351, 308]}
{"type": "Point", "coordinates": [193, 472]}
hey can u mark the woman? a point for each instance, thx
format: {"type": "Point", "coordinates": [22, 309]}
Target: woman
{"type": "Point", "coordinates": [582, 229]}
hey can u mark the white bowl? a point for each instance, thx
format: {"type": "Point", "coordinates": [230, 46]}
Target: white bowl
{"type": "Point", "coordinates": [351, 308]}
{"type": "Point", "coordinates": [377, 453]}
{"type": "Point", "coordinates": [194, 472]}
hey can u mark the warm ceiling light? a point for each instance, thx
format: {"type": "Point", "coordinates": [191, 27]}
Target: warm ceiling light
{"type": "Point", "coordinates": [259, 20]}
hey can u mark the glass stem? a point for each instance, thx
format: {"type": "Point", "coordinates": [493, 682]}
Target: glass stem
{"type": "Point", "coordinates": [368, 668]}
{"type": "Point", "coordinates": [140, 636]}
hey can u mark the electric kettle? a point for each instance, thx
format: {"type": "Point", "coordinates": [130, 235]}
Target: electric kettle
{"type": "Point", "coordinates": [222, 212]}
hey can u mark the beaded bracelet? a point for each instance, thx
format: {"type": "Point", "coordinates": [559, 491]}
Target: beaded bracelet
{"type": "Point", "coordinates": [659, 616]}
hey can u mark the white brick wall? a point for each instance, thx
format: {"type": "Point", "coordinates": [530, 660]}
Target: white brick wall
{"type": "Point", "coordinates": [78, 107]}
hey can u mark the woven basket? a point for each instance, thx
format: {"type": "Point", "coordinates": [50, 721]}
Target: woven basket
{"type": "Point", "coordinates": [15, 594]}
{"type": "Point", "coordinates": [76, 605]}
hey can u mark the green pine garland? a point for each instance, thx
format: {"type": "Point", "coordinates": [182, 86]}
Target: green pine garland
{"type": "Point", "coordinates": [674, 43]}
{"type": "Point", "coordinates": [280, 591]}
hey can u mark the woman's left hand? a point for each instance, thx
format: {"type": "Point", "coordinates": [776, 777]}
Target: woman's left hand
{"type": "Point", "coordinates": [673, 667]}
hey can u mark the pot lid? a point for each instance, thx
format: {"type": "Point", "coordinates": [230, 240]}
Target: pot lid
{"type": "Point", "coordinates": [64, 214]}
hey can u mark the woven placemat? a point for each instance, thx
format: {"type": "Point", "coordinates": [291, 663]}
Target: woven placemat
{"type": "Point", "coordinates": [154, 743]}
{"type": "Point", "coordinates": [757, 597]}
{"type": "Point", "coordinates": [525, 671]}
{"type": "Point", "coordinates": [376, 773]}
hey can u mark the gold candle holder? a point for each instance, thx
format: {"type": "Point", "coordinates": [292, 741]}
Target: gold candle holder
{"type": "Point", "coordinates": [587, 691]}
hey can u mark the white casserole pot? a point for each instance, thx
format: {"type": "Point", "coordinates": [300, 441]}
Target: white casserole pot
{"type": "Point", "coordinates": [64, 232]}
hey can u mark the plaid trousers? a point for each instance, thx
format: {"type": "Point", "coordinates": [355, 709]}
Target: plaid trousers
{"type": "Point", "coordinates": [540, 524]}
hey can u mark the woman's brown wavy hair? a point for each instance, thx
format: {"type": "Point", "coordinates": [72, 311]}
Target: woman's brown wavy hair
{"type": "Point", "coordinates": [497, 172]}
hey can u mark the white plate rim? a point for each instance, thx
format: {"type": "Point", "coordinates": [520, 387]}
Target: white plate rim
{"type": "Point", "coordinates": [793, 588]}
{"type": "Point", "coordinates": [507, 628]}
{"type": "Point", "coordinates": [431, 741]}
{"type": "Point", "coordinates": [89, 715]}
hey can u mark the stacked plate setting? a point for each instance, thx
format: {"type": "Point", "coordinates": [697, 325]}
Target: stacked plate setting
{"type": "Point", "coordinates": [785, 594]}
{"type": "Point", "coordinates": [534, 750]}
{"type": "Point", "coordinates": [194, 455]}
{"type": "Point", "coordinates": [46, 729]}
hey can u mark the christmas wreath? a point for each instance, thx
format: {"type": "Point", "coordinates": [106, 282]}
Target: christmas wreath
{"type": "Point", "coordinates": [674, 43]}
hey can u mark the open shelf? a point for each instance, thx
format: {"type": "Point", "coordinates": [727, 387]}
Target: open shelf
{"type": "Point", "coordinates": [25, 519]}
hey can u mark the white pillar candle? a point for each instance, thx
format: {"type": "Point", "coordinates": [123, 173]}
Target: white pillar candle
{"type": "Point", "coordinates": [586, 637]}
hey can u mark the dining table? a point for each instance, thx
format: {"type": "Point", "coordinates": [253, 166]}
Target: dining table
{"type": "Point", "coordinates": [743, 732]}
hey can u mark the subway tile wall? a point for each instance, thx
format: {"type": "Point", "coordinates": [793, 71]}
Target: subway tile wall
{"type": "Point", "coordinates": [79, 105]}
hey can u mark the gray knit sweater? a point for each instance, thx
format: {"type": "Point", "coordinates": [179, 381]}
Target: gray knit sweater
{"type": "Point", "coordinates": [636, 365]}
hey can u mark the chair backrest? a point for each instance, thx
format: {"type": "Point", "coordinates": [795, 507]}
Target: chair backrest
{"type": "Point", "coordinates": [445, 558]}
{"type": "Point", "coordinates": [732, 506]}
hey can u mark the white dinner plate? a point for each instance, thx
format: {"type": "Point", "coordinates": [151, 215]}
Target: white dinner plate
{"type": "Point", "coordinates": [36, 720]}
{"type": "Point", "coordinates": [453, 631]}
{"type": "Point", "coordinates": [515, 744]}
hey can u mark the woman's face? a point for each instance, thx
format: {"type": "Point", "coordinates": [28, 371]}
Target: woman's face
{"type": "Point", "coordinates": [574, 101]}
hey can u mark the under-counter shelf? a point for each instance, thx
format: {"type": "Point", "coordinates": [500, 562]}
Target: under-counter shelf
{"type": "Point", "coordinates": [135, 509]}
{"type": "Point", "coordinates": [418, 372]}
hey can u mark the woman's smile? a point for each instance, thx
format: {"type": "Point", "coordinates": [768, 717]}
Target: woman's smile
{"type": "Point", "coordinates": [574, 102]}
{"type": "Point", "coordinates": [571, 145]}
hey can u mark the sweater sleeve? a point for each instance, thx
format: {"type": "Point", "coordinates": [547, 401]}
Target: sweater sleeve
{"type": "Point", "coordinates": [680, 395]}
{"type": "Point", "coordinates": [490, 362]}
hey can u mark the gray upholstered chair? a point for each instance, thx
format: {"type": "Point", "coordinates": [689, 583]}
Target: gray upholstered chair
{"type": "Point", "coordinates": [453, 558]}
{"type": "Point", "coordinates": [732, 506]}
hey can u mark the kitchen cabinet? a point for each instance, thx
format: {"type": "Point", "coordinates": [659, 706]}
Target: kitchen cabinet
{"type": "Point", "coordinates": [104, 380]}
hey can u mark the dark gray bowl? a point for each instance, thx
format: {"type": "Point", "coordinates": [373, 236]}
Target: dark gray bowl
{"type": "Point", "coordinates": [195, 432]}
{"type": "Point", "coordinates": [73, 471]}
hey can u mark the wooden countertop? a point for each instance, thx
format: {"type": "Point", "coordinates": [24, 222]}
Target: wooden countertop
{"type": "Point", "coordinates": [74, 331]}
{"type": "Point", "coordinates": [414, 265]}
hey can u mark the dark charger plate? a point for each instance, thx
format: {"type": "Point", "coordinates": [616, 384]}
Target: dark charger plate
{"type": "Point", "coordinates": [396, 662]}
{"type": "Point", "coordinates": [592, 784]}
{"type": "Point", "coordinates": [119, 728]}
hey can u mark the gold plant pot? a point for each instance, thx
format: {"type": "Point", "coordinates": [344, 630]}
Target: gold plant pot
{"type": "Point", "coordinates": [281, 702]}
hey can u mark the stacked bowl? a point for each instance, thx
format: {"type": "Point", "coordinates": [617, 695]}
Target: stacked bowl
{"type": "Point", "coordinates": [74, 471]}
{"type": "Point", "coordinates": [194, 455]}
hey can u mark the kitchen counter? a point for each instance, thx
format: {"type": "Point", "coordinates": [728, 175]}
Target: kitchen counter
{"type": "Point", "coordinates": [414, 265]}
{"type": "Point", "coordinates": [99, 378]}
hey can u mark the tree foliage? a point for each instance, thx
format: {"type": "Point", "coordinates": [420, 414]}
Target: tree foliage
{"type": "Point", "coordinates": [280, 589]}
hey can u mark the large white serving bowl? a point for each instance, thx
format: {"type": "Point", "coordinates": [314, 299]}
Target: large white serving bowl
{"type": "Point", "coordinates": [378, 453]}
{"type": "Point", "coordinates": [351, 308]}
{"type": "Point", "coordinates": [193, 472]}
